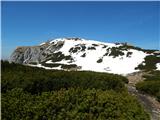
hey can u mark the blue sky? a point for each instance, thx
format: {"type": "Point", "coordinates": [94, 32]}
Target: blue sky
{"type": "Point", "coordinates": [30, 23]}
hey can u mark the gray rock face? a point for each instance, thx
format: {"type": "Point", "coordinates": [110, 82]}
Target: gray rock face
{"type": "Point", "coordinates": [34, 54]}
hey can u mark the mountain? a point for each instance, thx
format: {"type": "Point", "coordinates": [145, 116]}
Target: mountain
{"type": "Point", "coordinates": [88, 55]}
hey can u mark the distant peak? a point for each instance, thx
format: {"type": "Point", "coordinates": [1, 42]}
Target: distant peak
{"type": "Point", "coordinates": [67, 38]}
{"type": "Point", "coordinates": [73, 38]}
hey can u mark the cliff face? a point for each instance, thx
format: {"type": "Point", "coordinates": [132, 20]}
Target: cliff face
{"type": "Point", "coordinates": [37, 54]}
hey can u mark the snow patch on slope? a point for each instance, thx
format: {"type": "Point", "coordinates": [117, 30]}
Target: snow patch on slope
{"type": "Point", "coordinates": [49, 68]}
{"type": "Point", "coordinates": [158, 66]}
{"type": "Point", "coordinates": [49, 61]}
{"type": "Point", "coordinates": [43, 43]}
{"type": "Point", "coordinates": [118, 65]}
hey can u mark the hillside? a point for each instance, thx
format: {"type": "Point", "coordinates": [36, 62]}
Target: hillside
{"type": "Point", "coordinates": [39, 94]}
{"type": "Point", "coordinates": [87, 55]}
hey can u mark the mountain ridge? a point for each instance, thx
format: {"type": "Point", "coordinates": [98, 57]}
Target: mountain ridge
{"type": "Point", "coordinates": [89, 55]}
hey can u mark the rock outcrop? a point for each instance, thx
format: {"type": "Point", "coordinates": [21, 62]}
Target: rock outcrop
{"type": "Point", "coordinates": [34, 54]}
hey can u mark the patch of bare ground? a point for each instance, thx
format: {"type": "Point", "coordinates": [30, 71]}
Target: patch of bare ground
{"type": "Point", "coordinates": [151, 105]}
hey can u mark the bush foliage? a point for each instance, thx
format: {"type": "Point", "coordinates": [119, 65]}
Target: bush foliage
{"type": "Point", "coordinates": [150, 63]}
{"type": "Point", "coordinates": [36, 80]}
{"type": "Point", "coordinates": [151, 85]}
{"type": "Point", "coordinates": [32, 93]}
{"type": "Point", "coordinates": [71, 104]}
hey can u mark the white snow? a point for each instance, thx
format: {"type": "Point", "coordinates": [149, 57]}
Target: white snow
{"type": "Point", "coordinates": [109, 64]}
{"type": "Point", "coordinates": [158, 66]}
{"type": "Point", "coordinates": [67, 62]}
{"type": "Point", "coordinates": [119, 65]}
{"type": "Point", "coordinates": [50, 61]}
{"type": "Point", "coordinates": [143, 63]}
{"type": "Point", "coordinates": [43, 43]}
{"type": "Point", "coordinates": [39, 65]}
{"type": "Point", "coordinates": [56, 40]}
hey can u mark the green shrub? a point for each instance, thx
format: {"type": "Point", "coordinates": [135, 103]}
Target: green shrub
{"type": "Point", "coordinates": [83, 47]}
{"type": "Point", "coordinates": [36, 80]}
{"type": "Point", "coordinates": [106, 54]}
{"type": "Point", "coordinates": [75, 49]}
{"type": "Point", "coordinates": [91, 48]}
{"type": "Point", "coordinates": [84, 55]}
{"type": "Point", "coordinates": [150, 87]}
{"type": "Point", "coordinates": [129, 54]}
{"type": "Point", "coordinates": [89, 104]}
{"type": "Point", "coordinates": [50, 64]}
{"type": "Point", "coordinates": [56, 57]}
{"type": "Point", "coordinates": [115, 52]}
{"type": "Point", "coordinates": [151, 84]}
{"type": "Point", "coordinates": [125, 46]}
{"type": "Point", "coordinates": [32, 93]}
{"type": "Point", "coordinates": [150, 63]}
{"type": "Point", "coordinates": [69, 66]}
{"type": "Point", "coordinates": [99, 60]}
{"type": "Point", "coordinates": [148, 51]}
{"type": "Point", "coordinates": [33, 63]}
{"type": "Point", "coordinates": [104, 46]}
{"type": "Point", "coordinates": [95, 44]}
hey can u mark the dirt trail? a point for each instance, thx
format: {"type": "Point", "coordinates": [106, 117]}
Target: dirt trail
{"type": "Point", "coordinates": [150, 104]}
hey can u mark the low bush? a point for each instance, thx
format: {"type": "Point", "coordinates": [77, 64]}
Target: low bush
{"type": "Point", "coordinates": [99, 60]}
{"type": "Point", "coordinates": [84, 55]}
{"type": "Point", "coordinates": [71, 104]}
{"type": "Point", "coordinates": [129, 54]}
{"type": "Point", "coordinates": [91, 48]}
{"type": "Point", "coordinates": [37, 80]}
{"type": "Point", "coordinates": [151, 84]}
{"type": "Point", "coordinates": [115, 52]}
{"type": "Point", "coordinates": [75, 49]}
{"type": "Point", "coordinates": [150, 63]}
{"type": "Point", "coordinates": [32, 93]}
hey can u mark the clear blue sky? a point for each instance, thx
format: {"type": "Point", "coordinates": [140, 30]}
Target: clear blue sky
{"type": "Point", "coordinates": [30, 23]}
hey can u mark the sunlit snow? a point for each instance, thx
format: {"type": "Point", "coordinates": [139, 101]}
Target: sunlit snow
{"type": "Point", "coordinates": [158, 66]}
{"type": "Point", "coordinates": [119, 65]}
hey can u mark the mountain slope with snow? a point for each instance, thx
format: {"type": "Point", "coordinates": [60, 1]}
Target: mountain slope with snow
{"type": "Point", "coordinates": [90, 55]}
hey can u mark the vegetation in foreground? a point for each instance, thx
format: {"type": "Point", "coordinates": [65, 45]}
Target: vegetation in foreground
{"type": "Point", "coordinates": [71, 104]}
{"type": "Point", "coordinates": [36, 93]}
{"type": "Point", "coordinates": [36, 80]}
{"type": "Point", "coordinates": [151, 84]}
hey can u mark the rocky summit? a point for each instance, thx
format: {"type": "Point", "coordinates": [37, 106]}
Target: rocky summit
{"type": "Point", "coordinates": [88, 55]}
